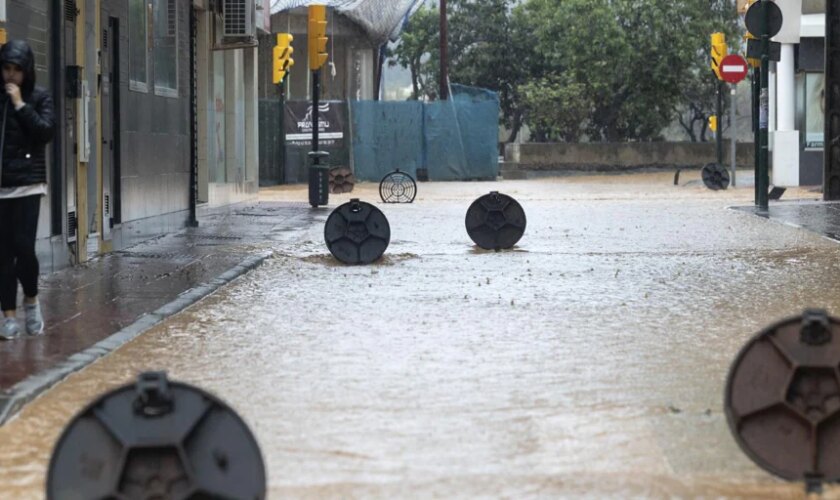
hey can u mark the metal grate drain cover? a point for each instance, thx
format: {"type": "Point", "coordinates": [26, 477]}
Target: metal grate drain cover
{"type": "Point", "coordinates": [397, 187]}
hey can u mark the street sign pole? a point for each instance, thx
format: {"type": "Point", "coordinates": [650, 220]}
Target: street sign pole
{"type": "Point", "coordinates": [764, 20]}
{"type": "Point", "coordinates": [732, 68]}
{"type": "Point", "coordinates": [763, 180]}
{"type": "Point", "coordinates": [733, 136]}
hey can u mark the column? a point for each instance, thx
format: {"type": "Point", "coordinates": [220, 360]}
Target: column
{"type": "Point", "coordinates": [785, 137]}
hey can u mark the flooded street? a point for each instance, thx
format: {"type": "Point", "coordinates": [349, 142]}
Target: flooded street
{"type": "Point", "coordinates": [588, 361]}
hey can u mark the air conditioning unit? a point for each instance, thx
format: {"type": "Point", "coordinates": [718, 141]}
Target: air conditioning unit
{"type": "Point", "coordinates": [239, 18]}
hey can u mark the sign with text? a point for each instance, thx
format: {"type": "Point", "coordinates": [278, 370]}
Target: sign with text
{"type": "Point", "coordinates": [331, 117]}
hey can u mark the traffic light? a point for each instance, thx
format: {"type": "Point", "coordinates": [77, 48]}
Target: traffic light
{"type": "Point", "coordinates": [282, 56]}
{"type": "Point", "coordinates": [718, 52]}
{"type": "Point", "coordinates": [713, 123]}
{"type": "Point", "coordinates": [749, 36]}
{"type": "Point", "coordinates": [317, 39]}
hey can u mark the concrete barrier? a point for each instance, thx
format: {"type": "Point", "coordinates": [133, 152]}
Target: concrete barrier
{"type": "Point", "coordinates": [620, 156]}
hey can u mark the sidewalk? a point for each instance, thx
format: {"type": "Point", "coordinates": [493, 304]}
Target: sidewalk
{"type": "Point", "coordinates": [92, 309]}
{"type": "Point", "coordinates": [813, 215]}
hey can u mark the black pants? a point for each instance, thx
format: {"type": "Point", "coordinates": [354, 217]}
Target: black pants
{"type": "Point", "coordinates": [18, 262]}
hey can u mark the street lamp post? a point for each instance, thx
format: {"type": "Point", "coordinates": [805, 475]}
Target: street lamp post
{"type": "Point", "coordinates": [444, 70]}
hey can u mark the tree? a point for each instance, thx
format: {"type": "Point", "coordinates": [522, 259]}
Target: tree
{"type": "Point", "coordinates": [490, 50]}
{"type": "Point", "coordinates": [484, 51]}
{"type": "Point", "coordinates": [600, 70]}
{"type": "Point", "coordinates": [697, 104]}
{"type": "Point", "coordinates": [635, 61]}
{"type": "Point", "coordinates": [697, 96]}
{"type": "Point", "coordinates": [415, 51]}
{"type": "Point", "coordinates": [556, 108]}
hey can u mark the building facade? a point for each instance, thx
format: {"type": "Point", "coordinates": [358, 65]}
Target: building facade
{"type": "Point", "coordinates": [156, 109]}
{"type": "Point", "coordinates": [796, 94]}
{"type": "Point", "coordinates": [351, 73]}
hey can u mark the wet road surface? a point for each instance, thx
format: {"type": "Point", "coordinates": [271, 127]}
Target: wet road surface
{"type": "Point", "coordinates": [589, 361]}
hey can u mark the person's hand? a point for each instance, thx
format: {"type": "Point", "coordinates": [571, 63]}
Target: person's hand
{"type": "Point", "coordinates": [14, 94]}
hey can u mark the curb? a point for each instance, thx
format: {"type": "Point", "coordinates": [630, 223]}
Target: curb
{"type": "Point", "coordinates": [27, 390]}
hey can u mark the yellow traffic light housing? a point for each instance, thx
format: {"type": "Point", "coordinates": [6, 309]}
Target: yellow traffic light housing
{"type": "Point", "coordinates": [317, 37]}
{"type": "Point", "coordinates": [753, 62]}
{"type": "Point", "coordinates": [713, 123]}
{"type": "Point", "coordinates": [719, 50]}
{"type": "Point", "coordinates": [282, 56]}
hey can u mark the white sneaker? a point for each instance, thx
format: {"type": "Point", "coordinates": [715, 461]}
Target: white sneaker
{"type": "Point", "coordinates": [34, 320]}
{"type": "Point", "coordinates": [9, 330]}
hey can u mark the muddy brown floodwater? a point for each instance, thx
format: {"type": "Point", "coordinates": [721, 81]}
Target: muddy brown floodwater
{"type": "Point", "coordinates": [587, 362]}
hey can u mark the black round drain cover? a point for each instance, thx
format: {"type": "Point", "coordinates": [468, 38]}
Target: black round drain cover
{"type": "Point", "coordinates": [495, 221]}
{"type": "Point", "coordinates": [156, 439]}
{"type": "Point", "coordinates": [357, 233]}
{"type": "Point", "coordinates": [782, 398]}
{"type": "Point", "coordinates": [715, 176]}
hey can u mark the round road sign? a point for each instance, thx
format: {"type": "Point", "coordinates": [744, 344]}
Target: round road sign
{"type": "Point", "coordinates": [754, 22]}
{"type": "Point", "coordinates": [733, 68]}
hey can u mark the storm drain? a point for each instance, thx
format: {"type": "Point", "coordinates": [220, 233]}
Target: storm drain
{"type": "Point", "coordinates": [212, 237]}
{"type": "Point", "coordinates": [275, 209]}
{"type": "Point", "coordinates": [159, 256]}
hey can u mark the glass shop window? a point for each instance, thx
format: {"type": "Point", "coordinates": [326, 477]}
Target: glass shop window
{"type": "Point", "coordinates": [814, 110]}
{"type": "Point", "coordinates": [166, 47]}
{"type": "Point", "coordinates": [138, 45]}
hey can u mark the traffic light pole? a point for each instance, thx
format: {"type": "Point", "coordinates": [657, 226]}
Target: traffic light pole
{"type": "Point", "coordinates": [317, 47]}
{"type": "Point", "coordinates": [316, 98]}
{"type": "Point", "coordinates": [719, 131]}
{"type": "Point", "coordinates": [281, 164]}
{"type": "Point", "coordinates": [755, 87]}
{"type": "Point", "coordinates": [318, 176]}
{"type": "Point", "coordinates": [763, 179]}
{"type": "Point", "coordinates": [282, 61]}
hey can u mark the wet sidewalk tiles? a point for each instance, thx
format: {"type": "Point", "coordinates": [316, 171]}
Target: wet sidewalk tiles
{"type": "Point", "coordinates": [93, 308]}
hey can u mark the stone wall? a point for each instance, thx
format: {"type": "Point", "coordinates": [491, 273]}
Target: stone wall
{"type": "Point", "coordinates": [621, 156]}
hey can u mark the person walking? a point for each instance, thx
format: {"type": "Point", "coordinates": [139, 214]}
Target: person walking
{"type": "Point", "coordinates": [27, 125]}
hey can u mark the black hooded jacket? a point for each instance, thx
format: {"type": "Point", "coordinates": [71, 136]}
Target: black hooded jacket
{"type": "Point", "coordinates": [26, 131]}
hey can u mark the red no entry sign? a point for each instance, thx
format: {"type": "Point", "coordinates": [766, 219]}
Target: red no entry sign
{"type": "Point", "coordinates": [733, 68]}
